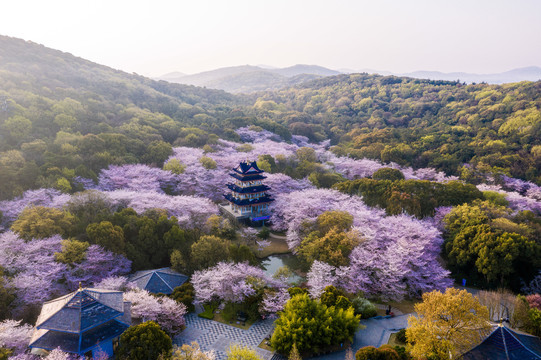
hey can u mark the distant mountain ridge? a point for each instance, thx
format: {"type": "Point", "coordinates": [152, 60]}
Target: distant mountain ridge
{"type": "Point", "coordinates": [249, 78]}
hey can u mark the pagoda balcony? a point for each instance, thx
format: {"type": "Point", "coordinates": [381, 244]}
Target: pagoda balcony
{"type": "Point", "coordinates": [243, 202]}
{"type": "Point", "coordinates": [247, 190]}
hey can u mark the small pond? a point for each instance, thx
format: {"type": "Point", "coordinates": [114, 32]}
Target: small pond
{"type": "Point", "coordinates": [274, 262]}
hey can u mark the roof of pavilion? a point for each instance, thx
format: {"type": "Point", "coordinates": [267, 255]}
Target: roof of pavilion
{"type": "Point", "coordinates": [506, 344]}
{"type": "Point", "coordinates": [93, 314]}
{"type": "Point", "coordinates": [248, 168]}
{"type": "Point", "coordinates": [163, 280]}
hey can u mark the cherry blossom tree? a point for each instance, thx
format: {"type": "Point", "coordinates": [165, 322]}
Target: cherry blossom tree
{"type": "Point", "coordinates": [42, 197]}
{"type": "Point", "coordinates": [31, 267]}
{"type": "Point", "coordinates": [14, 335]}
{"type": "Point", "coordinates": [248, 135]}
{"type": "Point", "coordinates": [137, 177]}
{"type": "Point", "coordinates": [165, 311]}
{"type": "Point", "coordinates": [191, 211]}
{"type": "Point", "coordinates": [97, 265]}
{"type": "Point", "coordinates": [273, 301]}
{"type": "Point", "coordinates": [230, 282]}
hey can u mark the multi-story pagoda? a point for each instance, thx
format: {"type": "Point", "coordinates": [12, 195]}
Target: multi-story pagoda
{"type": "Point", "coordinates": [248, 198]}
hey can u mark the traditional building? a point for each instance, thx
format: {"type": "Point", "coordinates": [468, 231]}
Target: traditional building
{"type": "Point", "coordinates": [506, 344]}
{"type": "Point", "coordinates": [248, 198]}
{"type": "Point", "coordinates": [86, 322]}
{"type": "Point", "coordinates": [157, 281]}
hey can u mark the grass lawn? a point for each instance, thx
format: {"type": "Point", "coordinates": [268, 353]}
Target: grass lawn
{"type": "Point", "coordinates": [393, 342]}
{"type": "Point", "coordinates": [264, 345]}
{"type": "Point", "coordinates": [277, 246]}
{"type": "Point", "coordinates": [218, 317]}
{"type": "Point", "coordinates": [406, 306]}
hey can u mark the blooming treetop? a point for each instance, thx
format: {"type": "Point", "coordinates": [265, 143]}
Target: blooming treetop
{"type": "Point", "coordinates": [397, 257]}
{"type": "Point", "coordinates": [136, 177]}
{"type": "Point", "coordinates": [273, 301]}
{"type": "Point", "coordinates": [15, 336]}
{"type": "Point", "coordinates": [42, 197]}
{"type": "Point", "coordinates": [230, 282]}
{"type": "Point", "coordinates": [165, 311]}
{"type": "Point", "coordinates": [36, 276]}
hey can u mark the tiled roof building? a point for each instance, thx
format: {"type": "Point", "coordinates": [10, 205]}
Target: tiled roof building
{"type": "Point", "coordinates": [506, 344]}
{"type": "Point", "coordinates": [85, 322]}
{"type": "Point", "coordinates": [158, 281]}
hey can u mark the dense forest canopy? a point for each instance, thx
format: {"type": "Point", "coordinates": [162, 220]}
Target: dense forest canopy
{"type": "Point", "coordinates": [63, 116]}
{"type": "Point", "coordinates": [495, 129]}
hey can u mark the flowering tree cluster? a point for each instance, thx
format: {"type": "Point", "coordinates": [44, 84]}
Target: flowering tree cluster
{"type": "Point", "coordinates": [230, 282]}
{"type": "Point", "coordinates": [517, 201]}
{"type": "Point", "coordinates": [42, 197]}
{"type": "Point", "coordinates": [165, 311]}
{"type": "Point", "coordinates": [32, 270]}
{"type": "Point", "coordinates": [273, 301]}
{"type": "Point", "coordinates": [191, 211]}
{"type": "Point", "coordinates": [14, 335]}
{"type": "Point", "coordinates": [97, 265]}
{"type": "Point", "coordinates": [136, 177]}
{"type": "Point", "coordinates": [248, 135]}
{"type": "Point", "coordinates": [398, 256]}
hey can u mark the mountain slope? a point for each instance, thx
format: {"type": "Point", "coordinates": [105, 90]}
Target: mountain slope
{"type": "Point", "coordinates": [62, 117]}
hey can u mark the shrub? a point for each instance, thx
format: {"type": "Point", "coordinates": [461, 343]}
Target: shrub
{"type": "Point", "coordinates": [401, 336]}
{"type": "Point", "coordinates": [144, 341]}
{"type": "Point", "coordinates": [184, 294]}
{"type": "Point", "coordinates": [364, 307]}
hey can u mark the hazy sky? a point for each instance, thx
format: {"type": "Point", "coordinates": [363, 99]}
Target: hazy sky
{"type": "Point", "coordinates": [154, 37]}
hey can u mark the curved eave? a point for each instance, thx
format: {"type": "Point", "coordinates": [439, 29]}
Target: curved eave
{"type": "Point", "coordinates": [248, 177]}
{"type": "Point", "coordinates": [248, 190]}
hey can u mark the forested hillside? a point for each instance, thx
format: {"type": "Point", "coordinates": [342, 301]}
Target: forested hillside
{"type": "Point", "coordinates": [62, 116]}
{"type": "Point", "coordinates": [421, 123]}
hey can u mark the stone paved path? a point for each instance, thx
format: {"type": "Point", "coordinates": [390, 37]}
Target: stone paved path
{"type": "Point", "coordinates": [213, 335]}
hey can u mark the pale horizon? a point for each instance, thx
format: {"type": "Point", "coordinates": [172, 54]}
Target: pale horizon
{"type": "Point", "coordinates": [161, 37]}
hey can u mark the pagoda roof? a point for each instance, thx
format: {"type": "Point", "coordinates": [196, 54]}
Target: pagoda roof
{"type": "Point", "coordinates": [506, 344]}
{"type": "Point", "coordinates": [81, 310]}
{"type": "Point", "coordinates": [248, 168]}
{"type": "Point", "coordinates": [163, 280]}
{"type": "Point", "coordinates": [249, 177]}
{"type": "Point", "coordinates": [242, 202]}
{"type": "Point", "coordinates": [90, 315]}
{"type": "Point", "coordinates": [247, 190]}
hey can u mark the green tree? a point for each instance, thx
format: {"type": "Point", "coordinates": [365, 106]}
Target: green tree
{"type": "Point", "coordinates": [146, 341]}
{"type": "Point", "coordinates": [73, 251]}
{"type": "Point", "coordinates": [107, 235]}
{"type": "Point", "coordinates": [239, 352]}
{"type": "Point", "coordinates": [190, 352]}
{"type": "Point", "coordinates": [333, 248]}
{"type": "Point", "coordinates": [157, 152]}
{"type": "Point", "coordinates": [40, 222]}
{"type": "Point", "coordinates": [207, 163]}
{"type": "Point", "coordinates": [17, 128]}
{"type": "Point", "coordinates": [208, 251]}
{"type": "Point", "coordinates": [312, 326]}
{"type": "Point", "coordinates": [446, 323]}
{"type": "Point", "coordinates": [174, 166]}
{"type": "Point", "coordinates": [184, 294]}
{"type": "Point", "coordinates": [388, 174]}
